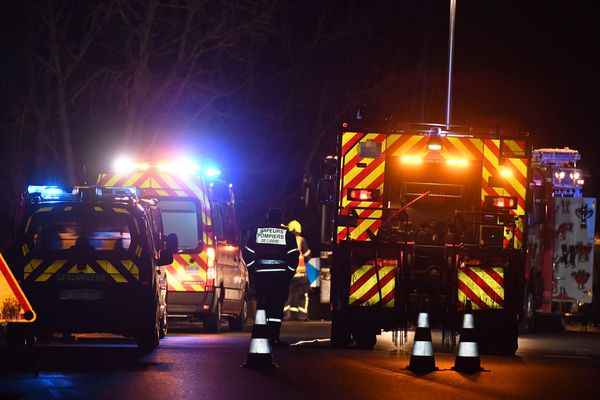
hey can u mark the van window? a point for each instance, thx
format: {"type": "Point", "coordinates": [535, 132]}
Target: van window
{"type": "Point", "coordinates": [62, 235]}
{"type": "Point", "coordinates": [181, 217]}
{"type": "Point", "coordinates": [224, 220]}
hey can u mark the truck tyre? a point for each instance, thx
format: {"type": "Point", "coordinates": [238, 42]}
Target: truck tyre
{"type": "Point", "coordinates": [340, 335]}
{"type": "Point", "coordinates": [503, 341]}
{"type": "Point", "coordinates": [238, 323]}
{"type": "Point", "coordinates": [212, 323]}
{"type": "Point", "coordinates": [364, 340]}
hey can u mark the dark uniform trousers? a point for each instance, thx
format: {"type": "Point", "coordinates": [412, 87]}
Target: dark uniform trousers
{"type": "Point", "coordinates": [272, 289]}
{"type": "Point", "coordinates": [271, 255]}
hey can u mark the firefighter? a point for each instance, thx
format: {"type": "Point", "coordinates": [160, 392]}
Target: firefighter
{"type": "Point", "coordinates": [271, 255]}
{"type": "Point", "coordinates": [297, 304]}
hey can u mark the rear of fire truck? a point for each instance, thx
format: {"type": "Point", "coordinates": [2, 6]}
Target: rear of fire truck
{"type": "Point", "coordinates": [560, 241]}
{"type": "Point", "coordinates": [428, 219]}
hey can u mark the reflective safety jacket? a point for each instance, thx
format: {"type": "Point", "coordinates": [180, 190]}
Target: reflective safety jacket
{"type": "Point", "coordinates": [304, 256]}
{"type": "Point", "coordinates": [271, 250]}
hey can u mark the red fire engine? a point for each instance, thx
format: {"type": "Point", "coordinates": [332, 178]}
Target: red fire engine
{"type": "Point", "coordinates": [427, 217]}
{"type": "Point", "coordinates": [560, 236]}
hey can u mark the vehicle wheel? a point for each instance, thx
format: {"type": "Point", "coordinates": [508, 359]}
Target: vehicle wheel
{"type": "Point", "coordinates": [340, 334]}
{"type": "Point", "coordinates": [528, 319]}
{"type": "Point", "coordinates": [364, 340]}
{"type": "Point", "coordinates": [503, 340]}
{"type": "Point", "coordinates": [238, 323]}
{"type": "Point", "coordinates": [212, 323]}
{"type": "Point", "coordinates": [150, 338]}
{"type": "Point", "coordinates": [163, 324]}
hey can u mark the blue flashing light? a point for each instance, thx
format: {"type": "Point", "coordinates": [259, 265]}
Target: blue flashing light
{"type": "Point", "coordinates": [212, 172]}
{"type": "Point", "coordinates": [46, 192]}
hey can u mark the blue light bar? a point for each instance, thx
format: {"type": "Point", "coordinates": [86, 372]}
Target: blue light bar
{"type": "Point", "coordinates": [47, 192]}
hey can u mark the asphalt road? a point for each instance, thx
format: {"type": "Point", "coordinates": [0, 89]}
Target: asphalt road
{"type": "Point", "coordinates": [193, 365]}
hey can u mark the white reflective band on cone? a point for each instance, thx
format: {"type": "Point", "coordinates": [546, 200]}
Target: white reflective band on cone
{"type": "Point", "coordinates": [260, 318]}
{"type": "Point", "coordinates": [468, 349]}
{"type": "Point", "coordinates": [468, 322]}
{"type": "Point", "coordinates": [273, 320]}
{"type": "Point", "coordinates": [259, 346]}
{"type": "Point", "coordinates": [423, 321]}
{"type": "Point", "coordinates": [421, 348]}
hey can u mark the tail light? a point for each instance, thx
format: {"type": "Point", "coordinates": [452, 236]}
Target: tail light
{"type": "Point", "coordinates": [211, 272]}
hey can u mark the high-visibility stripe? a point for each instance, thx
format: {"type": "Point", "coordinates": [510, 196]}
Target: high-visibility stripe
{"type": "Point", "coordinates": [270, 270]}
{"type": "Point", "coordinates": [132, 268]}
{"type": "Point", "coordinates": [112, 271]}
{"type": "Point", "coordinates": [481, 283]}
{"type": "Point", "coordinates": [467, 349]}
{"type": "Point", "coordinates": [51, 270]}
{"type": "Point", "coordinates": [484, 287]}
{"type": "Point", "coordinates": [31, 266]}
{"type": "Point", "coordinates": [364, 290]}
{"type": "Point", "coordinates": [187, 273]}
{"type": "Point", "coordinates": [422, 348]}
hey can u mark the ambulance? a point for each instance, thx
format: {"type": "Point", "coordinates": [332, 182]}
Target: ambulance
{"type": "Point", "coordinates": [208, 279]}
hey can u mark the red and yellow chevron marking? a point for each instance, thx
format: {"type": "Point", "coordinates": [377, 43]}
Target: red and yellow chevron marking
{"type": "Point", "coordinates": [187, 273]}
{"type": "Point", "coordinates": [161, 184]}
{"type": "Point", "coordinates": [515, 184]}
{"type": "Point", "coordinates": [486, 151]}
{"type": "Point", "coordinates": [364, 290]}
{"type": "Point", "coordinates": [362, 173]}
{"type": "Point", "coordinates": [484, 287]}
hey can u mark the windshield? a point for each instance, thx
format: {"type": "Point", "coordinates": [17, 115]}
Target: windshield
{"type": "Point", "coordinates": [181, 217]}
{"type": "Point", "coordinates": [104, 234]}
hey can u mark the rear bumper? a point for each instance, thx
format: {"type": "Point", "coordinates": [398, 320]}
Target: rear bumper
{"type": "Point", "coordinates": [190, 303]}
{"type": "Point", "coordinates": [122, 311]}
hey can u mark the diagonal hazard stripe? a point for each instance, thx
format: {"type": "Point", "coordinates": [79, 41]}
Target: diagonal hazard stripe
{"type": "Point", "coordinates": [360, 277]}
{"type": "Point", "coordinates": [479, 281]}
{"type": "Point", "coordinates": [51, 270]}
{"type": "Point", "coordinates": [492, 273]}
{"type": "Point", "coordinates": [468, 294]}
{"type": "Point", "coordinates": [111, 270]}
{"type": "Point", "coordinates": [366, 291]}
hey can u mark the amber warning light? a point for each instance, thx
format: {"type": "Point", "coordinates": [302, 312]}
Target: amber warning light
{"type": "Point", "coordinates": [363, 194]}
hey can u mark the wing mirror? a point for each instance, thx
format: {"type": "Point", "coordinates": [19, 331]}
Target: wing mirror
{"type": "Point", "coordinates": [171, 245]}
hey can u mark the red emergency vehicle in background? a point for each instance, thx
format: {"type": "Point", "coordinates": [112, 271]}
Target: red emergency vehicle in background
{"type": "Point", "coordinates": [427, 217]}
{"type": "Point", "coordinates": [208, 279]}
{"type": "Point", "coordinates": [560, 237]}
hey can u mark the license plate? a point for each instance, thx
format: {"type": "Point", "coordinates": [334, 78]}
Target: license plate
{"type": "Point", "coordinates": [192, 269]}
{"type": "Point", "coordinates": [81, 294]}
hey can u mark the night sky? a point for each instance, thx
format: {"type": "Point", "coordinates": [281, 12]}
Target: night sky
{"type": "Point", "coordinates": [532, 65]}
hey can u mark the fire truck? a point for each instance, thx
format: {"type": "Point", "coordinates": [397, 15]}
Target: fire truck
{"type": "Point", "coordinates": [427, 217]}
{"type": "Point", "coordinates": [560, 238]}
{"type": "Point", "coordinates": [208, 279]}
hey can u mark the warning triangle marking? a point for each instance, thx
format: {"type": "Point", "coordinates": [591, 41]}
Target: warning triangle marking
{"type": "Point", "coordinates": [12, 296]}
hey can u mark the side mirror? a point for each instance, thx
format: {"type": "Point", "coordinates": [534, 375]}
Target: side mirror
{"type": "Point", "coordinates": [165, 258]}
{"type": "Point", "coordinates": [325, 190]}
{"type": "Point", "coordinates": [171, 243]}
{"type": "Point", "coordinates": [166, 255]}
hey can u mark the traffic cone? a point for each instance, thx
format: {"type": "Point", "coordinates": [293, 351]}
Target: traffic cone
{"type": "Point", "coordinates": [422, 359]}
{"type": "Point", "coordinates": [259, 354]}
{"type": "Point", "coordinates": [467, 356]}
